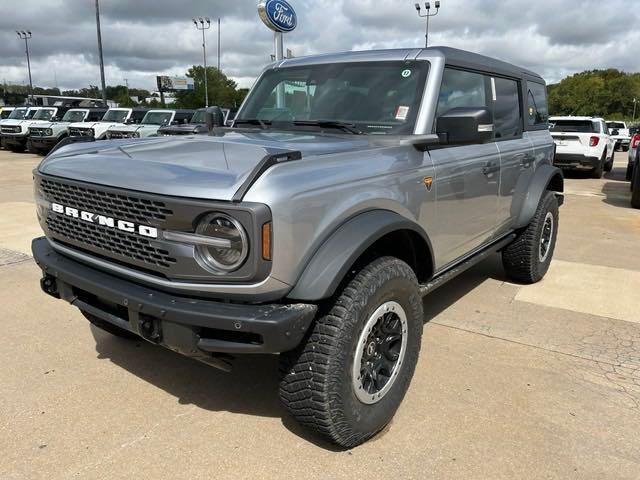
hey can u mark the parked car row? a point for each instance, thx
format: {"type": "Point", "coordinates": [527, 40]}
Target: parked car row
{"type": "Point", "coordinates": [40, 129]}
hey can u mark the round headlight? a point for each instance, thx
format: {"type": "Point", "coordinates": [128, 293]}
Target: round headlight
{"type": "Point", "coordinates": [135, 135]}
{"type": "Point", "coordinates": [228, 247]}
{"type": "Point", "coordinates": [48, 132]}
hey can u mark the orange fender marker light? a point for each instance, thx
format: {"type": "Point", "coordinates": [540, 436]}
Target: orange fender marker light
{"type": "Point", "coordinates": [266, 241]}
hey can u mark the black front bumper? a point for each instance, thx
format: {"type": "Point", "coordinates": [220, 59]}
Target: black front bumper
{"type": "Point", "coordinates": [566, 160]}
{"type": "Point", "coordinates": [193, 327]}
{"type": "Point", "coordinates": [14, 141]}
{"type": "Point", "coordinates": [42, 143]}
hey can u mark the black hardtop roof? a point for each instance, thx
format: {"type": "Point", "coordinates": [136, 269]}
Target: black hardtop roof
{"type": "Point", "coordinates": [452, 56]}
{"type": "Point", "coordinates": [475, 61]}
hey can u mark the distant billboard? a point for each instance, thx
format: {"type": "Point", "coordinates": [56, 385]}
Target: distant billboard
{"type": "Point", "coordinates": [168, 84]}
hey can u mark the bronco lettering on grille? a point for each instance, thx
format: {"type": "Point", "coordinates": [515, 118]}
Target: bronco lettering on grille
{"type": "Point", "coordinates": [104, 221]}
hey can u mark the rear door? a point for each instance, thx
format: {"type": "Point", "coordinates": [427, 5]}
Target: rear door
{"type": "Point", "coordinates": [467, 177]}
{"type": "Point", "coordinates": [516, 150]}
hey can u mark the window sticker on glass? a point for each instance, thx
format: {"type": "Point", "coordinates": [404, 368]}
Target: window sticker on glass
{"type": "Point", "coordinates": [406, 73]}
{"type": "Point", "coordinates": [402, 112]}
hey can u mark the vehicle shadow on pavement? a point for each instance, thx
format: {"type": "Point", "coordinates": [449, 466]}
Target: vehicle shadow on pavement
{"type": "Point", "coordinates": [250, 389]}
{"type": "Point", "coordinates": [451, 292]}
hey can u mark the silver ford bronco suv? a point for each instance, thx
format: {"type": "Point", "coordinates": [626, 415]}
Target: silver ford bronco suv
{"type": "Point", "coordinates": [349, 187]}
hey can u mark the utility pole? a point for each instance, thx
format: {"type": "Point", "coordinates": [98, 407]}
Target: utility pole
{"type": "Point", "coordinates": [204, 24]}
{"type": "Point", "coordinates": [104, 86]}
{"type": "Point", "coordinates": [427, 15]}
{"type": "Point", "coordinates": [219, 45]}
{"type": "Point", "coordinates": [635, 102]}
{"type": "Point", "coordinates": [26, 36]}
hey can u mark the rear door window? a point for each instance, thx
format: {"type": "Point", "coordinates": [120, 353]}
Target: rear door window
{"type": "Point", "coordinates": [507, 118]}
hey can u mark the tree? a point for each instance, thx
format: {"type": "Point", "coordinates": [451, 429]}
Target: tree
{"type": "Point", "coordinates": [223, 92]}
{"type": "Point", "coordinates": [603, 93]}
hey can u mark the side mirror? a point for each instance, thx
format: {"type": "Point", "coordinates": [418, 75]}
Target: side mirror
{"type": "Point", "coordinates": [214, 118]}
{"type": "Point", "coordinates": [465, 125]}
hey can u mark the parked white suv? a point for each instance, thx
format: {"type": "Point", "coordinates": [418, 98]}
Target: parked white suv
{"type": "Point", "coordinates": [152, 121]}
{"type": "Point", "coordinates": [15, 130]}
{"type": "Point", "coordinates": [582, 143]}
{"type": "Point", "coordinates": [619, 131]}
{"type": "Point", "coordinates": [115, 117]}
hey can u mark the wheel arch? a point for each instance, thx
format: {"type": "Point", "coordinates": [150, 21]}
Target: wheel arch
{"type": "Point", "coordinates": [546, 178]}
{"type": "Point", "coordinates": [357, 241]}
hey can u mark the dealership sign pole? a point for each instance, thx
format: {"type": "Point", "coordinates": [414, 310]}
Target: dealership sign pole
{"type": "Point", "coordinates": [280, 17]}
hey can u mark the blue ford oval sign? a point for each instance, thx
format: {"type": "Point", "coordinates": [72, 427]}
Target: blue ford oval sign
{"type": "Point", "coordinates": [278, 15]}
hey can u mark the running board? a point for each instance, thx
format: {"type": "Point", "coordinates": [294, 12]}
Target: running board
{"type": "Point", "coordinates": [463, 266]}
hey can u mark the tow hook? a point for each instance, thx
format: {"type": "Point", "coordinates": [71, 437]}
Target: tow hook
{"type": "Point", "coordinates": [49, 286]}
{"type": "Point", "coordinates": [149, 329]}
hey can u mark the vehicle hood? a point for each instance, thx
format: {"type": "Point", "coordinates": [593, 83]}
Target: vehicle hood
{"type": "Point", "coordinates": [185, 128]}
{"type": "Point", "coordinates": [14, 122]}
{"type": "Point", "coordinates": [195, 166]}
{"type": "Point", "coordinates": [96, 124]}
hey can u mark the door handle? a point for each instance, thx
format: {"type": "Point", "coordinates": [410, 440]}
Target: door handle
{"type": "Point", "coordinates": [527, 160]}
{"type": "Point", "coordinates": [490, 167]}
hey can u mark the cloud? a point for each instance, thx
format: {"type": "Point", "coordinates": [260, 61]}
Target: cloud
{"type": "Point", "coordinates": [142, 39]}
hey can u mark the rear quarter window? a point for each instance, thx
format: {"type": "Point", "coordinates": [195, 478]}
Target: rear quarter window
{"type": "Point", "coordinates": [537, 108]}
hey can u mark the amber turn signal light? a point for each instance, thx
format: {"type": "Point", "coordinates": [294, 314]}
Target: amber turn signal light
{"type": "Point", "coordinates": [266, 241]}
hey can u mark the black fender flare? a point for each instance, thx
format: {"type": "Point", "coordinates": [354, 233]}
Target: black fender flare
{"type": "Point", "coordinates": [331, 262]}
{"type": "Point", "coordinates": [546, 177]}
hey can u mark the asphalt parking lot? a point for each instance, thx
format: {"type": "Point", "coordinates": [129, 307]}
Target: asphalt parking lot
{"type": "Point", "coordinates": [540, 381]}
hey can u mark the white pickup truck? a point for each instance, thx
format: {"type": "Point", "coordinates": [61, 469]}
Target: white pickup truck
{"type": "Point", "coordinates": [619, 131]}
{"type": "Point", "coordinates": [582, 143]}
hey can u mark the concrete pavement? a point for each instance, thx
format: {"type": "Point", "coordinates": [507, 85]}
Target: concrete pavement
{"type": "Point", "coordinates": [519, 382]}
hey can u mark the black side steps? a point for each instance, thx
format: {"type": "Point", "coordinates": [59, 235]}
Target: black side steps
{"type": "Point", "coordinates": [466, 264]}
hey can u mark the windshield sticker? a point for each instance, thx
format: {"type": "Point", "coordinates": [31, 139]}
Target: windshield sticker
{"type": "Point", "coordinates": [402, 112]}
{"type": "Point", "coordinates": [406, 73]}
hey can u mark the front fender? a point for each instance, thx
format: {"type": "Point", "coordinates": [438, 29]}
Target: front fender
{"type": "Point", "coordinates": [547, 177]}
{"type": "Point", "coordinates": [338, 253]}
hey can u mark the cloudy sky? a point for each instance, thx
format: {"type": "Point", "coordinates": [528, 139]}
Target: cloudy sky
{"type": "Point", "coordinates": [143, 38]}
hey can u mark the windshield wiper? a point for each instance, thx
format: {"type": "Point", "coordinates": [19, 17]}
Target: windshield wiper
{"type": "Point", "coordinates": [263, 124]}
{"type": "Point", "coordinates": [347, 127]}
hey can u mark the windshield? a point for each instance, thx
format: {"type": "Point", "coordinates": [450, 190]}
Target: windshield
{"type": "Point", "coordinates": [373, 97]}
{"type": "Point", "coordinates": [44, 114]}
{"type": "Point", "coordinates": [618, 125]}
{"type": "Point", "coordinates": [157, 118]}
{"type": "Point", "coordinates": [18, 113]}
{"type": "Point", "coordinates": [30, 114]}
{"type": "Point", "coordinates": [118, 116]}
{"type": "Point", "coordinates": [74, 116]}
{"type": "Point", "coordinates": [5, 114]}
{"type": "Point", "coordinates": [199, 116]}
{"type": "Point", "coordinates": [580, 126]}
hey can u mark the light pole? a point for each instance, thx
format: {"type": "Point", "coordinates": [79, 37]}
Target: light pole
{"type": "Point", "coordinates": [427, 15]}
{"type": "Point", "coordinates": [635, 102]}
{"type": "Point", "coordinates": [204, 24]}
{"type": "Point", "coordinates": [104, 86]}
{"type": "Point", "coordinates": [26, 36]}
{"type": "Point", "coordinates": [219, 44]}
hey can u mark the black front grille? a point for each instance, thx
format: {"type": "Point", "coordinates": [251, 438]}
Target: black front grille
{"type": "Point", "coordinates": [80, 132]}
{"type": "Point", "coordinates": [38, 132]}
{"type": "Point", "coordinates": [119, 134]}
{"type": "Point", "coordinates": [109, 240]}
{"type": "Point", "coordinates": [10, 129]}
{"type": "Point", "coordinates": [122, 207]}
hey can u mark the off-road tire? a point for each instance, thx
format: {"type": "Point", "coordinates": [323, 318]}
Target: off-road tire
{"type": "Point", "coordinates": [625, 148]}
{"type": "Point", "coordinates": [608, 166]}
{"type": "Point", "coordinates": [316, 383]}
{"type": "Point", "coordinates": [110, 327]}
{"type": "Point", "coordinates": [629, 174]}
{"type": "Point", "coordinates": [599, 170]}
{"type": "Point", "coordinates": [521, 258]}
{"type": "Point", "coordinates": [635, 187]}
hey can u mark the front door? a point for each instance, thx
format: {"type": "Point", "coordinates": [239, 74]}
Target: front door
{"type": "Point", "coordinates": [467, 178]}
